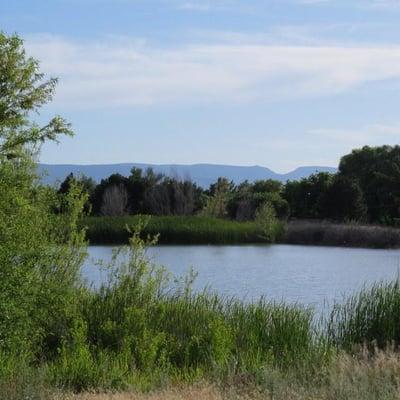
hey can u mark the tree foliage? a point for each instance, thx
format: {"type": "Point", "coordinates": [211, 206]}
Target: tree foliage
{"type": "Point", "coordinates": [377, 171]}
{"type": "Point", "coordinates": [23, 90]}
{"type": "Point", "coordinates": [40, 250]}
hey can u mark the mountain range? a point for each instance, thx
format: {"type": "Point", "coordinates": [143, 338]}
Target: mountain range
{"type": "Point", "coordinates": [202, 174]}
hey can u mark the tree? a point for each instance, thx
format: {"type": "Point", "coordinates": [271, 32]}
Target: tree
{"type": "Point", "coordinates": [40, 252]}
{"type": "Point", "coordinates": [344, 200]}
{"type": "Point", "coordinates": [247, 198]}
{"type": "Point", "coordinates": [115, 201]}
{"type": "Point", "coordinates": [136, 190]}
{"type": "Point", "coordinates": [98, 195]}
{"type": "Point", "coordinates": [23, 90]}
{"type": "Point", "coordinates": [268, 223]}
{"type": "Point", "coordinates": [217, 204]}
{"type": "Point", "coordinates": [86, 184]}
{"type": "Point", "coordinates": [377, 172]}
{"type": "Point", "coordinates": [305, 197]}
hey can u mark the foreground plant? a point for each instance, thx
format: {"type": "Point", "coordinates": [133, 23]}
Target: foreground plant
{"type": "Point", "coordinates": [40, 252]}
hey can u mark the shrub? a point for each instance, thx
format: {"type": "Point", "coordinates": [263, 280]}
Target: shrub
{"type": "Point", "coordinates": [268, 224]}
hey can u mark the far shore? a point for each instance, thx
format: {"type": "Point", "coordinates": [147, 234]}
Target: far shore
{"type": "Point", "coordinates": [210, 231]}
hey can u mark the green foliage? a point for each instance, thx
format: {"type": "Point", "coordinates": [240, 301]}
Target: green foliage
{"type": "Point", "coordinates": [141, 315]}
{"type": "Point", "coordinates": [217, 203]}
{"type": "Point", "coordinates": [150, 193]}
{"type": "Point", "coordinates": [371, 317]}
{"type": "Point", "coordinates": [23, 90]}
{"type": "Point", "coordinates": [19, 381]}
{"type": "Point", "coordinates": [247, 198]}
{"type": "Point", "coordinates": [141, 327]}
{"type": "Point", "coordinates": [40, 257]}
{"type": "Point", "coordinates": [268, 224]}
{"type": "Point", "coordinates": [305, 197]}
{"type": "Point", "coordinates": [344, 200]}
{"type": "Point", "coordinates": [377, 171]}
{"type": "Point", "coordinates": [40, 253]}
{"type": "Point", "coordinates": [173, 230]}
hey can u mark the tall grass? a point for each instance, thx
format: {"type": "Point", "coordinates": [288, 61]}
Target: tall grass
{"type": "Point", "coordinates": [370, 317]}
{"type": "Point", "coordinates": [174, 230]}
{"type": "Point", "coordinates": [203, 230]}
{"type": "Point", "coordinates": [349, 235]}
{"type": "Point", "coordinates": [143, 330]}
{"type": "Point", "coordinates": [365, 377]}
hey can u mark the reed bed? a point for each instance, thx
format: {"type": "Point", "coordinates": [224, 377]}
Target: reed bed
{"type": "Point", "coordinates": [173, 230]}
{"type": "Point", "coordinates": [348, 235]}
{"type": "Point", "coordinates": [202, 230]}
{"type": "Point", "coordinates": [370, 317]}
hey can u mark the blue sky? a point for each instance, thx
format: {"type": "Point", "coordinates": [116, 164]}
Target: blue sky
{"type": "Point", "coordinates": [275, 83]}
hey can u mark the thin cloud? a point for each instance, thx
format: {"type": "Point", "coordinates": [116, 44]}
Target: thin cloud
{"type": "Point", "coordinates": [117, 73]}
{"type": "Point", "coordinates": [370, 134]}
{"type": "Point", "coordinates": [190, 6]}
{"type": "Point", "coordinates": [207, 6]}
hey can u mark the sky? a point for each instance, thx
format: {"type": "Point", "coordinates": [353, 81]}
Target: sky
{"type": "Point", "coordinates": [276, 83]}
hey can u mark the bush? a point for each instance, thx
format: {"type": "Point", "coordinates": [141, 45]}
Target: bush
{"type": "Point", "coordinates": [268, 224]}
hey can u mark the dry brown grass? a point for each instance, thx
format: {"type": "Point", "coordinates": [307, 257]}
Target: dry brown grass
{"type": "Point", "coordinates": [350, 235]}
{"type": "Point", "coordinates": [365, 377]}
{"type": "Point", "coordinates": [196, 393]}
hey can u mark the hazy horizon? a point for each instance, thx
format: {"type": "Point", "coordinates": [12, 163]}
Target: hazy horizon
{"type": "Point", "coordinates": [189, 165]}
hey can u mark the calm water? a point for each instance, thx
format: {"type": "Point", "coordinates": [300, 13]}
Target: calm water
{"type": "Point", "coordinates": [309, 275]}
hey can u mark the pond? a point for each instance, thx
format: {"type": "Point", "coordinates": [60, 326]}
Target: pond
{"type": "Point", "coordinates": [309, 275]}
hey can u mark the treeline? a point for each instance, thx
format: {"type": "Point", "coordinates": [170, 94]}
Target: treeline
{"type": "Point", "coordinates": [366, 188]}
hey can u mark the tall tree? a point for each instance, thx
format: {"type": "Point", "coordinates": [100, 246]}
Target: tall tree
{"type": "Point", "coordinates": [23, 91]}
{"type": "Point", "coordinates": [305, 197]}
{"type": "Point", "coordinates": [377, 171]}
{"type": "Point", "coordinates": [344, 200]}
{"type": "Point", "coordinates": [40, 253]}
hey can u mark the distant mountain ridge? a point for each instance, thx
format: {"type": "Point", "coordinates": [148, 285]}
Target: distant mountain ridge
{"type": "Point", "coordinates": [202, 174]}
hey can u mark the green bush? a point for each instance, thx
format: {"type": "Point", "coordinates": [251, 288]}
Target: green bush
{"type": "Point", "coordinates": [268, 224]}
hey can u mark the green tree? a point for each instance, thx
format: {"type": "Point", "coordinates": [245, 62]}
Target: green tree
{"type": "Point", "coordinates": [268, 224]}
{"type": "Point", "coordinates": [40, 252]}
{"type": "Point", "coordinates": [305, 197]}
{"type": "Point", "coordinates": [344, 200]}
{"type": "Point", "coordinates": [220, 193]}
{"type": "Point", "coordinates": [23, 90]}
{"type": "Point", "coordinates": [377, 171]}
{"type": "Point", "coordinates": [86, 184]}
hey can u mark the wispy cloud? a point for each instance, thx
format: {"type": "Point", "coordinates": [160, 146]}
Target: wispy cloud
{"type": "Point", "coordinates": [364, 4]}
{"type": "Point", "coordinates": [206, 5]}
{"type": "Point", "coordinates": [383, 4]}
{"type": "Point", "coordinates": [115, 73]}
{"type": "Point", "coordinates": [193, 6]}
{"type": "Point", "coordinates": [372, 134]}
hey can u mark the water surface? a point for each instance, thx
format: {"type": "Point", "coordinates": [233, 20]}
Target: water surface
{"type": "Point", "coordinates": [310, 275]}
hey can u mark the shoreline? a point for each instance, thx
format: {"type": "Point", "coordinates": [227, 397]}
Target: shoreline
{"type": "Point", "coordinates": [208, 231]}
